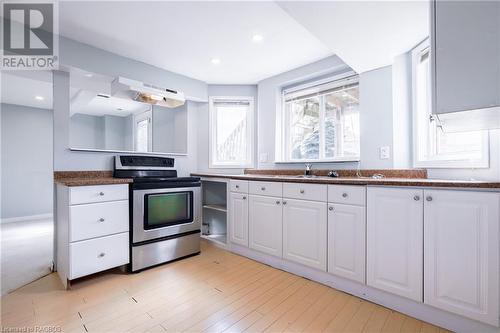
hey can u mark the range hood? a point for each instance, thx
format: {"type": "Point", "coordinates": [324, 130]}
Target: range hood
{"type": "Point", "coordinates": [142, 92]}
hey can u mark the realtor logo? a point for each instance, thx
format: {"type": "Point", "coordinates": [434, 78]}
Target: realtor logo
{"type": "Point", "coordinates": [29, 37]}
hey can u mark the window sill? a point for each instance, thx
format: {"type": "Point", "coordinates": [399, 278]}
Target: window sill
{"type": "Point", "coordinates": [449, 164]}
{"type": "Point", "coordinates": [231, 166]}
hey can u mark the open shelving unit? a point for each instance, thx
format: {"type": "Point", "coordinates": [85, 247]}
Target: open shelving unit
{"type": "Point", "coordinates": [214, 215]}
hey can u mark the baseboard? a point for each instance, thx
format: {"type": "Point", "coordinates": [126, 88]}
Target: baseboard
{"type": "Point", "coordinates": [27, 218]}
{"type": "Point", "coordinates": [409, 307]}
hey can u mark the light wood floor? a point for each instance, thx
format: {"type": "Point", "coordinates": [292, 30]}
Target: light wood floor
{"type": "Point", "coordinates": [213, 292]}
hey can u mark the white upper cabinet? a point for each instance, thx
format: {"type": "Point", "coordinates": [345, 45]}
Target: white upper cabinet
{"type": "Point", "coordinates": [265, 224]}
{"type": "Point", "coordinates": [395, 240]}
{"type": "Point", "coordinates": [346, 241]}
{"type": "Point", "coordinates": [305, 232]}
{"type": "Point", "coordinates": [238, 217]}
{"type": "Point", "coordinates": [465, 48]}
{"type": "Point", "coordinates": [461, 253]}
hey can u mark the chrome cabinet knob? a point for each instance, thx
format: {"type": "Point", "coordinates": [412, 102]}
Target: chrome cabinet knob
{"type": "Point", "coordinates": [284, 202]}
{"type": "Point", "coordinates": [101, 193]}
{"type": "Point", "coordinates": [101, 219]}
{"type": "Point", "coordinates": [237, 186]}
{"type": "Point", "coordinates": [244, 198]}
{"type": "Point", "coordinates": [277, 202]}
{"type": "Point", "coordinates": [428, 198]}
{"type": "Point", "coordinates": [263, 188]}
{"type": "Point", "coordinates": [330, 208]}
{"type": "Point", "coordinates": [102, 254]}
{"type": "Point", "coordinates": [302, 191]}
{"type": "Point", "coordinates": [416, 198]}
{"type": "Point", "coordinates": [344, 195]}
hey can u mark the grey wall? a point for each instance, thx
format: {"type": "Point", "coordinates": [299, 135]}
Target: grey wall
{"type": "Point", "coordinates": [203, 129]}
{"type": "Point", "coordinates": [26, 161]}
{"type": "Point", "coordinates": [89, 58]}
{"type": "Point", "coordinates": [87, 131]}
{"type": "Point", "coordinates": [170, 129]}
{"type": "Point", "coordinates": [375, 111]}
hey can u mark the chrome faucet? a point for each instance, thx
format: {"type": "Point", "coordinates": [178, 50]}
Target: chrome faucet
{"type": "Point", "coordinates": [307, 172]}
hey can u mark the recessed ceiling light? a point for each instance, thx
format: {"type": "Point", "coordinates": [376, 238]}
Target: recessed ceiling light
{"type": "Point", "coordinates": [215, 61]}
{"type": "Point", "coordinates": [89, 75]}
{"type": "Point", "coordinates": [39, 98]}
{"type": "Point", "coordinates": [257, 38]}
{"type": "Point", "coordinates": [119, 109]}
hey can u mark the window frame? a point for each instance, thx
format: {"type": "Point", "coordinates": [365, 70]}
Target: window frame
{"type": "Point", "coordinates": [283, 122]}
{"type": "Point", "coordinates": [443, 160]}
{"type": "Point", "coordinates": [212, 120]}
{"type": "Point", "coordinates": [146, 115]}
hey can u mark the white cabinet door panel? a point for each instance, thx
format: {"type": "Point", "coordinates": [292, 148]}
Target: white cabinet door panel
{"type": "Point", "coordinates": [395, 241]}
{"type": "Point", "coordinates": [238, 217]}
{"type": "Point", "coordinates": [461, 253]}
{"type": "Point", "coordinates": [305, 232]}
{"type": "Point", "coordinates": [265, 224]}
{"type": "Point", "coordinates": [346, 241]}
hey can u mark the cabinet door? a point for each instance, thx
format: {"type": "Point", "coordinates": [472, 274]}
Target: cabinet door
{"type": "Point", "coordinates": [466, 48]}
{"type": "Point", "coordinates": [304, 232]}
{"type": "Point", "coordinates": [461, 253]}
{"type": "Point", "coordinates": [265, 224]}
{"type": "Point", "coordinates": [346, 241]}
{"type": "Point", "coordinates": [239, 219]}
{"type": "Point", "coordinates": [395, 241]}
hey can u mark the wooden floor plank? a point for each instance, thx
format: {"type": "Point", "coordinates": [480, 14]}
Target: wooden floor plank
{"type": "Point", "coordinates": [216, 291]}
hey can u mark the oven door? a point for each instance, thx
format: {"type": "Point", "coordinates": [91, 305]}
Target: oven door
{"type": "Point", "coordinates": [165, 212]}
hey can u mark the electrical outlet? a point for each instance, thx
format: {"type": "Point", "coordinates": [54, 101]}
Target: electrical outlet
{"type": "Point", "coordinates": [385, 152]}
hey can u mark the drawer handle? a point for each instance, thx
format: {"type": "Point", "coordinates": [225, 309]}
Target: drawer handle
{"type": "Point", "coordinates": [263, 188]}
{"type": "Point", "coordinates": [101, 219]}
{"type": "Point", "coordinates": [277, 202]}
{"type": "Point", "coordinates": [237, 186]}
{"type": "Point", "coordinates": [284, 202]}
{"type": "Point", "coordinates": [429, 198]}
{"type": "Point", "coordinates": [101, 193]}
{"type": "Point", "coordinates": [330, 208]}
{"type": "Point", "coordinates": [302, 191]}
{"type": "Point", "coordinates": [102, 254]}
{"type": "Point", "coordinates": [344, 195]}
{"type": "Point", "coordinates": [244, 198]}
{"type": "Point", "coordinates": [416, 198]}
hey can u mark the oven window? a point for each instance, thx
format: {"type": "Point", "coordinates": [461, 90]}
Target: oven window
{"type": "Point", "coordinates": [167, 209]}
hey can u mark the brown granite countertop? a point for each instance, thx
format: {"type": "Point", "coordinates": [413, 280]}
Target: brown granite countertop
{"type": "Point", "coordinates": [84, 178]}
{"type": "Point", "coordinates": [397, 178]}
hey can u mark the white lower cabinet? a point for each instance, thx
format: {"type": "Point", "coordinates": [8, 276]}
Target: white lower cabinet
{"type": "Point", "coordinates": [265, 224]}
{"type": "Point", "coordinates": [461, 270]}
{"type": "Point", "coordinates": [305, 232]}
{"type": "Point", "coordinates": [238, 216]}
{"type": "Point", "coordinates": [346, 241]}
{"type": "Point", "coordinates": [395, 241]}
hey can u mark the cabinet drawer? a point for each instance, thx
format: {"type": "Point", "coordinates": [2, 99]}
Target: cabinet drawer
{"type": "Point", "coordinates": [272, 189]}
{"type": "Point", "coordinates": [95, 255]}
{"type": "Point", "coordinates": [98, 193]}
{"type": "Point", "coordinates": [240, 186]}
{"type": "Point", "coordinates": [313, 192]}
{"type": "Point", "coordinates": [98, 219]}
{"type": "Point", "coordinates": [351, 195]}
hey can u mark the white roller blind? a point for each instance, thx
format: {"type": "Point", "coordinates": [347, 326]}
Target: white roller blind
{"type": "Point", "coordinates": [301, 92]}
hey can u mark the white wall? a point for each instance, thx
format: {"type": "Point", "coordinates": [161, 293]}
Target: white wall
{"type": "Point", "coordinates": [75, 54]}
{"type": "Point", "coordinates": [203, 128]}
{"type": "Point", "coordinates": [26, 161]}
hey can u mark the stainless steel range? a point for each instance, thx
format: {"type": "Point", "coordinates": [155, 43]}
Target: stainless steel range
{"type": "Point", "coordinates": [165, 217]}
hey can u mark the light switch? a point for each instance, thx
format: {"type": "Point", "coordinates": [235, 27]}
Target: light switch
{"type": "Point", "coordinates": [263, 157]}
{"type": "Point", "coordinates": [385, 152]}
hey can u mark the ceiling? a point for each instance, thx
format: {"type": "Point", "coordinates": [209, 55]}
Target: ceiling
{"type": "Point", "coordinates": [21, 88]}
{"type": "Point", "coordinates": [184, 37]}
{"type": "Point", "coordinates": [365, 34]}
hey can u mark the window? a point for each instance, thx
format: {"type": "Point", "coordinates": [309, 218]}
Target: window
{"type": "Point", "coordinates": [321, 121]}
{"type": "Point", "coordinates": [433, 147]}
{"type": "Point", "coordinates": [142, 132]}
{"type": "Point", "coordinates": [231, 132]}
